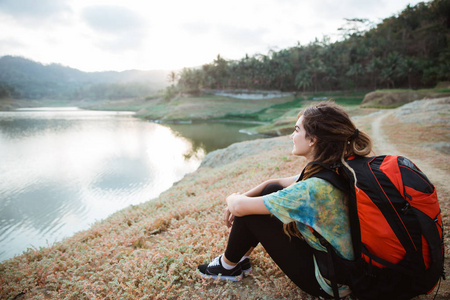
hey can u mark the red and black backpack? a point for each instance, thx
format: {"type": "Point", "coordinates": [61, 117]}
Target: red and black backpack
{"type": "Point", "coordinates": [396, 228]}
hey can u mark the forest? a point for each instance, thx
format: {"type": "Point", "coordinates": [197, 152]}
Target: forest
{"type": "Point", "coordinates": [408, 50]}
{"type": "Point", "coordinates": [21, 78]}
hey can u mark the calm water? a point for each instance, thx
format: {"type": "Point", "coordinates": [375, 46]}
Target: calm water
{"type": "Point", "coordinates": [63, 169]}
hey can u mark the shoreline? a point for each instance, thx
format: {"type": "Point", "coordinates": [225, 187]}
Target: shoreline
{"type": "Point", "coordinates": [152, 249]}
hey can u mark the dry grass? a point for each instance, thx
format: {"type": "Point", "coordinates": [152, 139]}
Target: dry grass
{"type": "Point", "coordinates": [417, 139]}
{"type": "Point", "coordinates": [151, 251]}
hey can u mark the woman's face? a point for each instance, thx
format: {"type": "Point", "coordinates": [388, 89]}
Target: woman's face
{"type": "Point", "coordinates": [302, 146]}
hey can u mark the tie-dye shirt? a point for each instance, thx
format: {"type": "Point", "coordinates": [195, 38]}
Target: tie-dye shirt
{"type": "Point", "coordinates": [316, 203]}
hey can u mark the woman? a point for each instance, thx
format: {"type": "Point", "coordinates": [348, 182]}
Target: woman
{"type": "Point", "coordinates": [323, 133]}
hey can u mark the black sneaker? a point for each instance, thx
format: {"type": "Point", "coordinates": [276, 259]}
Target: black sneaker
{"type": "Point", "coordinates": [215, 270]}
{"type": "Point", "coordinates": [246, 266]}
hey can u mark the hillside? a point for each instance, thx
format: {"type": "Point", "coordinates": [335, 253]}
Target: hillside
{"type": "Point", "coordinates": [407, 50]}
{"type": "Point", "coordinates": [151, 250]}
{"type": "Point", "coordinates": [26, 79]}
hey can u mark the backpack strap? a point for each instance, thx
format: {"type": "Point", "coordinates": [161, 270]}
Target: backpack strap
{"type": "Point", "coordinates": [331, 263]}
{"type": "Point", "coordinates": [329, 174]}
{"type": "Point", "coordinates": [347, 185]}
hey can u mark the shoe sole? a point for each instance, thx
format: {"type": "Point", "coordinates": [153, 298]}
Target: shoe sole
{"type": "Point", "coordinates": [247, 272]}
{"type": "Point", "coordinates": [221, 277]}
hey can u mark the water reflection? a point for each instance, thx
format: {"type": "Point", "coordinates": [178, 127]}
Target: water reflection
{"type": "Point", "coordinates": [63, 169]}
{"type": "Point", "coordinates": [213, 135]}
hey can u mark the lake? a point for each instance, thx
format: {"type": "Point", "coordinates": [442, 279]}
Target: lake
{"type": "Point", "coordinates": [65, 168]}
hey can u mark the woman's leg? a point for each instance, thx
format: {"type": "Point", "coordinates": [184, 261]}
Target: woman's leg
{"type": "Point", "coordinates": [292, 254]}
{"type": "Point", "coordinates": [269, 189]}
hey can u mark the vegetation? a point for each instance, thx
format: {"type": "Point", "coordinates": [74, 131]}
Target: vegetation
{"type": "Point", "coordinates": [410, 50]}
{"type": "Point", "coordinates": [21, 78]}
{"type": "Point", "coordinates": [151, 250]}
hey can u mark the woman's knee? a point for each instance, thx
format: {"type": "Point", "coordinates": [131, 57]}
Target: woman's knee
{"type": "Point", "coordinates": [271, 188]}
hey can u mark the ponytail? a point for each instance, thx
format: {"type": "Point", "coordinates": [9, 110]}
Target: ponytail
{"type": "Point", "coordinates": [337, 138]}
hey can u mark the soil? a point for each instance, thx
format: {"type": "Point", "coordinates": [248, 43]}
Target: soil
{"type": "Point", "coordinates": [393, 98]}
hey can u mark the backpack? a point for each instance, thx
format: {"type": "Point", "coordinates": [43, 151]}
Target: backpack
{"type": "Point", "coordinates": [396, 228]}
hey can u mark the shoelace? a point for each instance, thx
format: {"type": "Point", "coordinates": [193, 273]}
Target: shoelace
{"type": "Point", "coordinates": [215, 262]}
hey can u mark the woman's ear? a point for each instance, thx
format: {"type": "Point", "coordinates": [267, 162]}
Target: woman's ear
{"type": "Point", "coordinates": [312, 142]}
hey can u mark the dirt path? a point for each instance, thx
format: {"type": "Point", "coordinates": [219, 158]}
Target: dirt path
{"type": "Point", "coordinates": [438, 176]}
{"type": "Point", "coordinates": [378, 136]}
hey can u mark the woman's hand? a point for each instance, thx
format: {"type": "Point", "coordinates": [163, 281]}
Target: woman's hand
{"type": "Point", "coordinates": [240, 205]}
{"type": "Point", "coordinates": [228, 217]}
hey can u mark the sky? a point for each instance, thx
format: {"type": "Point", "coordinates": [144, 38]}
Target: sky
{"type": "Point", "coordinates": [118, 35]}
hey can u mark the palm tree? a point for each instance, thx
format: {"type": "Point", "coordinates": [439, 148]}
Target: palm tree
{"type": "Point", "coordinates": [172, 77]}
{"type": "Point", "coordinates": [303, 80]}
{"type": "Point", "coordinates": [316, 67]}
{"type": "Point", "coordinates": [355, 71]}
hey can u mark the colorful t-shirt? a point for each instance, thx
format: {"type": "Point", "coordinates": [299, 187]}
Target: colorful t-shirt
{"type": "Point", "coordinates": [316, 203]}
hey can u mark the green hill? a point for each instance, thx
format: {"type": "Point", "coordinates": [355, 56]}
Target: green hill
{"type": "Point", "coordinates": [21, 78]}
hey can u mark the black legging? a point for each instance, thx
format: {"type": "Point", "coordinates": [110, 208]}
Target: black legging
{"type": "Point", "coordinates": [292, 254]}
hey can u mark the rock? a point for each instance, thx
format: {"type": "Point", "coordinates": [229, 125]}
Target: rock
{"type": "Point", "coordinates": [432, 111]}
{"type": "Point", "coordinates": [240, 150]}
{"type": "Point", "coordinates": [391, 98]}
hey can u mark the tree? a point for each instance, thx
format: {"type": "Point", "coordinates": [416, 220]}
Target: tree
{"type": "Point", "coordinates": [407, 50]}
{"type": "Point", "coordinates": [355, 27]}
{"type": "Point", "coordinates": [172, 77]}
{"type": "Point", "coordinates": [356, 71]}
{"type": "Point", "coordinates": [407, 68]}
{"type": "Point", "coordinates": [5, 90]}
{"type": "Point", "coordinates": [220, 71]}
{"type": "Point", "coordinates": [391, 70]}
{"type": "Point", "coordinates": [316, 67]}
{"type": "Point", "coordinates": [373, 68]}
{"type": "Point", "coordinates": [303, 80]}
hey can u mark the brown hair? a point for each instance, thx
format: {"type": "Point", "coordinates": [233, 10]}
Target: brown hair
{"type": "Point", "coordinates": [336, 138]}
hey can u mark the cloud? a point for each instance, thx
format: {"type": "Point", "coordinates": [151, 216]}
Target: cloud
{"type": "Point", "coordinates": [226, 34]}
{"type": "Point", "coordinates": [31, 9]}
{"type": "Point", "coordinates": [10, 43]}
{"type": "Point", "coordinates": [115, 28]}
{"type": "Point", "coordinates": [373, 10]}
{"type": "Point", "coordinates": [112, 19]}
{"type": "Point", "coordinates": [196, 28]}
{"type": "Point", "coordinates": [241, 37]}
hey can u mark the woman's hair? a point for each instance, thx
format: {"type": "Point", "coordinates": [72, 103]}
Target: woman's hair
{"type": "Point", "coordinates": [335, 134]}
{"type": "Point", "coordinates": [336, 138]}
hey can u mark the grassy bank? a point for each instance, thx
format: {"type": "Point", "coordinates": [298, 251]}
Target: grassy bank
{"type": "Point", "coordinates": [277, 113]}
{"type": "Point", "coordinates": [150, 251]}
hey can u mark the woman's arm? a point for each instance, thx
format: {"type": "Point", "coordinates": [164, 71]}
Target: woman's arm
{"type": "Point", "coordinates": [284, 182]}
{"type": "Point", "coordinates": [242, 205]}
{"type": "Point", "coordinates": [250, 203]}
